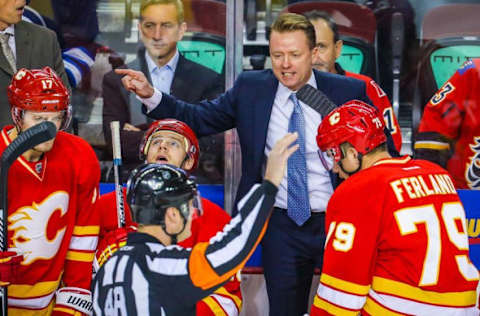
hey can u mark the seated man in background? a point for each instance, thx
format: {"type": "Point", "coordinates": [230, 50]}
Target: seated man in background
{"type": "Point", "coordinates": [161, 26]}
{"type": "Point", "coordinates": [154, 279]}
{"type": "Point", "coordinates": [408, 241]}
{"type": "Point", "coordinates": [329, 48]}
{"type": "Point", "coordinates": [172, 142]}
{"type": "Point", "coordinates": [449, 132]}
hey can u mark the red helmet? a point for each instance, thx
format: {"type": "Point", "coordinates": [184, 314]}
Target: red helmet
{"type": "Point", "coordinates": [193, 150]}
{"type": "Point", "coordinates": [38, 90]}
{"type": "Point", "coordinates": [354, 122]}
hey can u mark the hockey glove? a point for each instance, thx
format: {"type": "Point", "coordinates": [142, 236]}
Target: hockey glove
{"type": "Point", "coordinates": [73, 301]}
{"type": "Point", "coordinates": [9, 262]}
{"type": "Point", "coordinates": [109, 244]}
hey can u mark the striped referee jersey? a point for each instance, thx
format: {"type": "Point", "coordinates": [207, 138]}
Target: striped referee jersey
{"type": "Point", "coordinates": [147, 278]}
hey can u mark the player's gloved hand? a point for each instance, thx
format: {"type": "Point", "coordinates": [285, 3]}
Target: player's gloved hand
{"type": "Point", "coordinates": [73, 301]}
{"type": "Point", "coordinates": [9, 262]}
{"type": "Point", "coordinates": [109, 244]}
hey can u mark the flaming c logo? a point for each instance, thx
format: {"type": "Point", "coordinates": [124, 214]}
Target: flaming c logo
{"type": "Point", "coordinates": [30, 224]}
{"type": "Point", "coordinates": [472, 172]}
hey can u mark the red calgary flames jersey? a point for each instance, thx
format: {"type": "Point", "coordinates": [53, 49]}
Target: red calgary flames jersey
{"type": "Point", "coordinates": [453, 112]}
{"type": "Point", "coordinates": [227, 300]}
{"type": "Point", "coordinates": [51, 221]}
{"type": "Point", "coordinates": [402, 249]}
{"type": "Point", "coordinates": [380, 100]}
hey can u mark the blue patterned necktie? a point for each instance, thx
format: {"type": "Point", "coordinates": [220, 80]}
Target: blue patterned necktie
{"type": "Point", "coordinates": [298, 202]}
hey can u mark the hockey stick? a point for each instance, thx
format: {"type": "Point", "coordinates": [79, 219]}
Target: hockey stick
{"type": "Point", "coordinates": [117, 163]}
{"type": "Point", "coordinates": [30, 138]}
{"type": "Point", "coordinates": [316, 99]}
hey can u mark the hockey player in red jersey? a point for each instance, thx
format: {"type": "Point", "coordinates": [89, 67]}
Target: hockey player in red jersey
{"type": "Point", "coordinates": [329, 49]}
{"type": "Point", "coordinates": [449, 132]}
{"type": "Point", "coordinates": [408, 239]}
{"type": "Point", "coordinates": [51, 192]}
{"type": "Point", "coordinates": [173, 142]}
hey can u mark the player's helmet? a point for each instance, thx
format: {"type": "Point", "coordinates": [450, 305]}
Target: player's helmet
{"type": "Point", "coordinates": [354, 122]}
{"type": "Point", "coordinates": [192, 148]}
{"type": "Point", "coordinates": [38, 90]}
{"type": "Point", "coordinates": [152, 188]}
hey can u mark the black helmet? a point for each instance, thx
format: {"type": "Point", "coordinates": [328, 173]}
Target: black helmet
{"type": "Point", "coordinates": [152, 188]}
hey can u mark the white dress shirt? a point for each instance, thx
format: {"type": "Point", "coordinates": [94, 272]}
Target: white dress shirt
{"type": "Point", "coordinates": [319, 184]}
{"type": "Point", "coordinates": [162, 77]}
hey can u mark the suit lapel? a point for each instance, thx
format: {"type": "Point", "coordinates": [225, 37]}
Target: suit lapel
{"type": "Point", "coordinates": [180, 76]}
{"type": "Point", "coordinates": [23, 47]}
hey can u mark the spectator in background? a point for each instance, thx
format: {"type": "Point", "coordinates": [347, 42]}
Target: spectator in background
{"type": "Point", "coordinates": [329, 48]}
{"type": "Point", "coordinates": [161, 26]}
{"type": "Point", "coordinates": [449, 131]}
{"type": "Point", "coordinates": [23, 45]}
{"type": "Point", "coordinates": [172, 142]}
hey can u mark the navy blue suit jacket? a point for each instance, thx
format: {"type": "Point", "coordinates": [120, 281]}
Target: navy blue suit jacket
{"type": "Point", "coordinates": [247, 106]}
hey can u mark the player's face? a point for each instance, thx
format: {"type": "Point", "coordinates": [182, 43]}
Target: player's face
{"type": "Point", "coordinates": [291, 58]}
{"type": "Point", "coordinates": [327, 49]}
{"type": "Point", "coordinates": [31, 118]}
{"type": "Point", "coordinates": [168, 147]}
{"type": "Point", "coordinates": [160, 31]}
{"type": "Point", "coordinates": [10, 12]}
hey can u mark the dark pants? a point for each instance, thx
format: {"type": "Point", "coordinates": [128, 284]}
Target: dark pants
{"type": "Point", "coordinates": [289, 255]}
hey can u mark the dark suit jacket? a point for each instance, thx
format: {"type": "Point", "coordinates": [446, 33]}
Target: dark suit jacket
{"type": "Point", "coordinates": [247, 106]}
{"type": "Point", "coordinates": [192, 82]}
{"type": "Point", "coordinates": [36, 47]}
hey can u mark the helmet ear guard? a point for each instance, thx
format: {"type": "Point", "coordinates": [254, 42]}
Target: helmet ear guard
{"type": "Point", "coordinates": [192, 147]}
{"type": "Point", "coordinates": [38, 90]}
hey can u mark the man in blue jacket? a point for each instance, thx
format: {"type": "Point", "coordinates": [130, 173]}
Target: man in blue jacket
{"type": "Point", "coordinates": [263, 107]}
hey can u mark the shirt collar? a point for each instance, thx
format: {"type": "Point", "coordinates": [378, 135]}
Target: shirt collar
{"type": "Point", "coordinates": [284, 93]}
{"type": "Point", "coordinates": [9, 30]}
{"type": "Point", "coordinates": [171, 65]}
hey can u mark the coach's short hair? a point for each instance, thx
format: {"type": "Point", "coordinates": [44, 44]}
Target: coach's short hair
{"type": "Point", "coordinates": [177, 3]}
{"type": "Point", "coordinates": [290, 22]}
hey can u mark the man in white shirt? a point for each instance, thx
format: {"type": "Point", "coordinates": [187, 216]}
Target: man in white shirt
{"type": "Point", "coordinates": [161, 26]}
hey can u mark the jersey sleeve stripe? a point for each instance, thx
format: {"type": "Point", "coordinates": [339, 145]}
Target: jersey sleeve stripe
{"type": "Point", "coordinates": [406, 306]}
{"type": "Point", "coordinates": [214, 306]}
{"type": "Point", "coordinates": [340, 298]}
{"type": "Point", "coordinates": [373, 308]}
{"type": "Point", "coordinates": [403, 290]}
{"type": "Point", "coordinates": [431, 145]}
{"type": "Point", "coordinates": [222, 291]}
{"type": "Point", "coordinates": [36, 290]}
{"type": "Point", "coordinates": [331, 308]}
{"type": "Point", "coordinates": [80, 256]}
{"type": "Point", "coordinates": [227, 304]}
{"type": "Point", "coordinates": [83, 243]}
{"type": "Point", "coordinates": [342, 285]}
{"type": "Point", "coordinates": [86, 230]}
{"type": "Point", "coordinates": [31, 302]}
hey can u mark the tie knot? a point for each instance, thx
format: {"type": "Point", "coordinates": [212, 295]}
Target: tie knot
{"type": "Point", "coordinates": [4, 37]}
{"type": "Point", "coordinates": [296, 105]}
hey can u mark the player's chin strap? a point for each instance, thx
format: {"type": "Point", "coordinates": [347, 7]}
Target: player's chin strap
{"type": "Point", "coordinates": [360, 158]}
{"type": "Point", "coordinates": [74, 298]}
